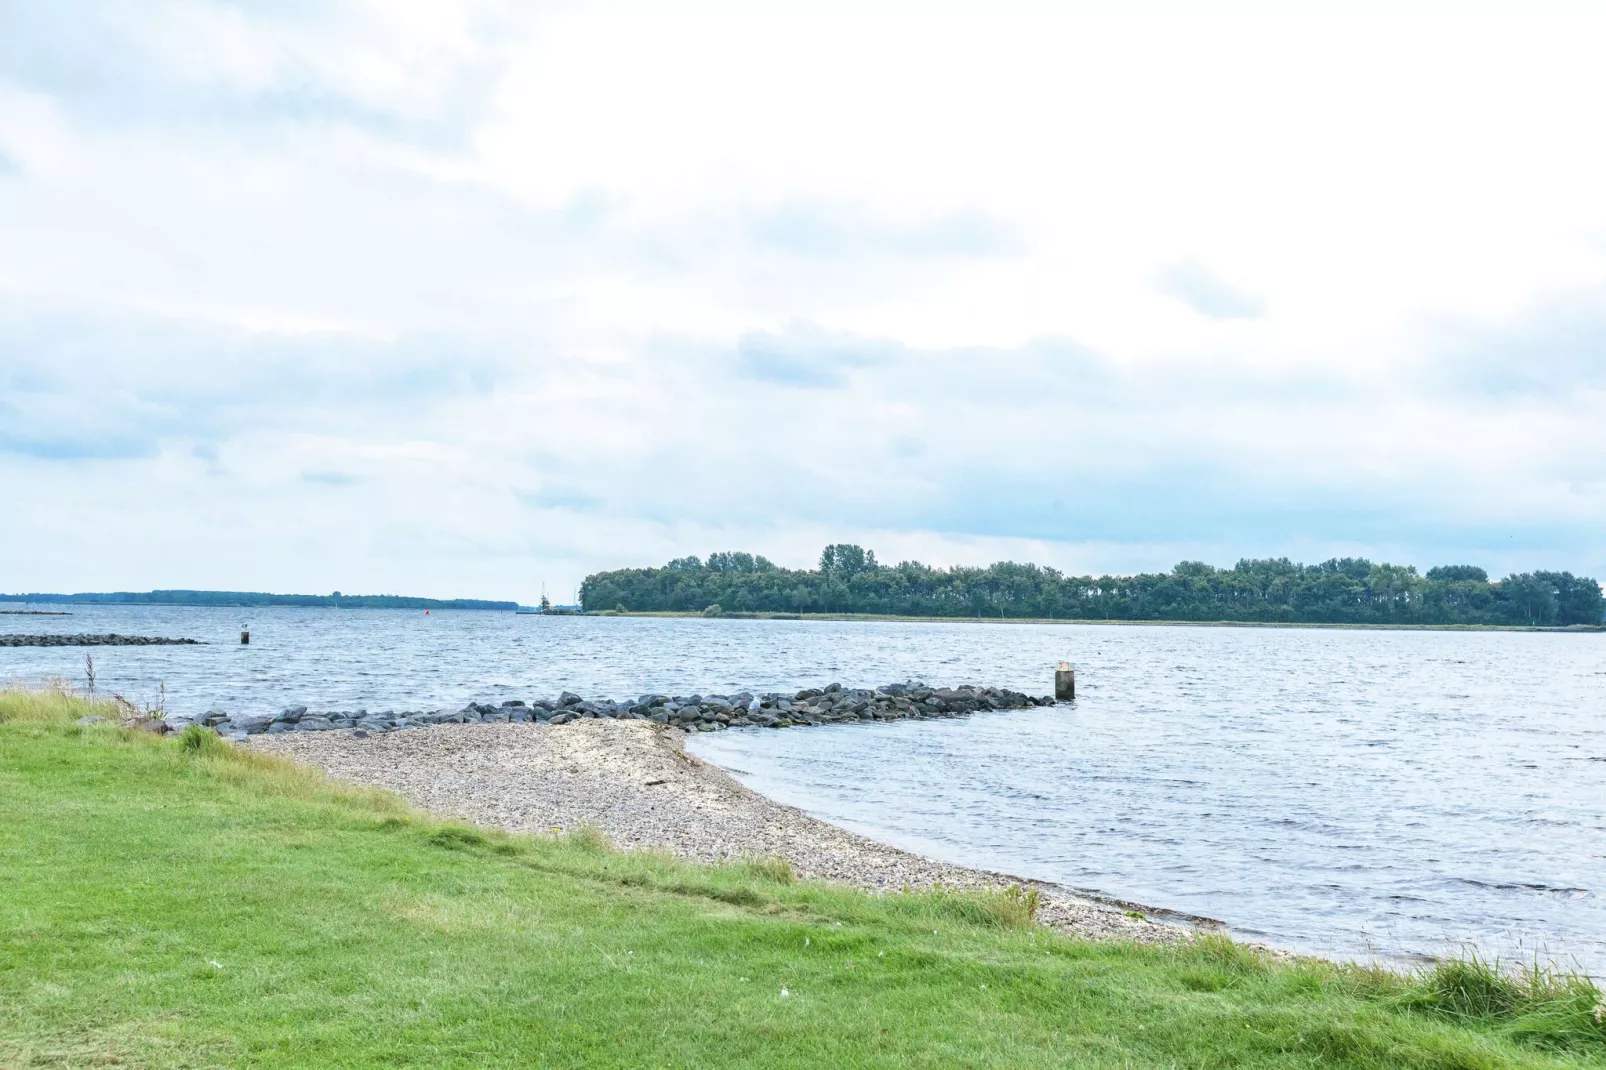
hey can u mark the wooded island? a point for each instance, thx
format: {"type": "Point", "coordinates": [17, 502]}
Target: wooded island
{"type": "Point", "coordinates": [1348, 590]}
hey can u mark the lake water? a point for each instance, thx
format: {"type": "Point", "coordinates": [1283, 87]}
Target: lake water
{"type": "Point", "coordinates": [1356, 793]}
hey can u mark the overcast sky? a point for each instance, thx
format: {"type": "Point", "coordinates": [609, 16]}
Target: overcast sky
{"type": "Point", "coordinates": [461, 299]}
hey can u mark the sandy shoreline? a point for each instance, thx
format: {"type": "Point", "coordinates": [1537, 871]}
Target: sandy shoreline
{"type": "Point", "coordinates": [632, 781]}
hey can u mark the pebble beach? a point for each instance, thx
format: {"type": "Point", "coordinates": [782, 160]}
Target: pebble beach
{"type": "Point", "coordinates": [633, 781]}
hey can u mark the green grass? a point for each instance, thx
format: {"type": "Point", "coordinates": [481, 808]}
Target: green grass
{"type": "Point", "coordinates": [177, 902]}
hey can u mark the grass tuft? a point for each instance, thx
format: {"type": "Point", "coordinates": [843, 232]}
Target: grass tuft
{"type": "Point", "coordinates": [1002, 908]}
{"type": "Point", "coordinates": [588, 840]}
{"type": "Point", "coordinates": [202, 742]}
{"type": "Point", "coordinates": [457, 838]}
{"type": "Point", "coordinates": [54, 704]}
{"type": "Point", "coordinates": [773, 870]}
{"type": "Point", "coordinates": [1469, 988]}
{"type": "Point", "coordinates": [1537, 1005]}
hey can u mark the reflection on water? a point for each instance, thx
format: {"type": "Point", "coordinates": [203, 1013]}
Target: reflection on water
{"type": "Point", "coordinates": [1351, 792]}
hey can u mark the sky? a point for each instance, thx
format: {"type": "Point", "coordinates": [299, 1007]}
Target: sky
{"type": "Point", "coordinates": [474, 299]}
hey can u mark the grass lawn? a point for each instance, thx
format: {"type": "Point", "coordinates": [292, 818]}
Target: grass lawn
{"type": "Point", "coordinates": [175, 902]}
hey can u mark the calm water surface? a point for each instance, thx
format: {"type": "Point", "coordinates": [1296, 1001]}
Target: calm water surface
{"type": "Point", "coordinates": [1354, 793]}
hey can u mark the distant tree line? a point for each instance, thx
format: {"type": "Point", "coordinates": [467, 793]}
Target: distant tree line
{"type": "Point", "coordinates": [257, 598]}
{"type": "Point", "coordinates": [1348, 590]}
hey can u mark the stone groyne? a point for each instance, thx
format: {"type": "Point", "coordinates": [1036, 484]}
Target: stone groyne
{"type": "Point", "coordinates": [109, 639]}
{"type": "Point", "coordinates": [833, 704]}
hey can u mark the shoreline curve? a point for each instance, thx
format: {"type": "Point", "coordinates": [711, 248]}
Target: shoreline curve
{"type": "Point", "coordinates": [634, 782]}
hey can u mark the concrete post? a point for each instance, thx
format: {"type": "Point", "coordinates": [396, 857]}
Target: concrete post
{"type": "Point", "coordinates": [1064, 683]}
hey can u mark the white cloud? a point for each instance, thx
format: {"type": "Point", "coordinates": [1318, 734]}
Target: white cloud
{"type": "Point", "coordinates": [465, 298]}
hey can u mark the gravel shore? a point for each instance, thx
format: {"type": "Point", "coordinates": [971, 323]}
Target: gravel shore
{"type": "Point", "coordinates": [632, 781]}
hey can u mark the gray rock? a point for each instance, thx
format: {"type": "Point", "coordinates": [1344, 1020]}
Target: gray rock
{"type": "Point", "coordinates": [91, 719]}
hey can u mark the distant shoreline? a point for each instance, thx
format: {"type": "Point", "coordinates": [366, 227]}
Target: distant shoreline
{"type": "Point", "coordinates": [865, 617]}
{"type": "Point", "coordinates": [253, 600]}
{"type": "Point", "coordinates": [1125, 623]}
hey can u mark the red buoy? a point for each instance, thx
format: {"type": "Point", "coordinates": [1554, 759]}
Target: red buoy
{"type": "Point", "coordinates": [426, 612]}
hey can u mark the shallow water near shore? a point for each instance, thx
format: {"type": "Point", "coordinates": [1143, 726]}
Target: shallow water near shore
{"type": "Point", "coordinates": [1353, 793]}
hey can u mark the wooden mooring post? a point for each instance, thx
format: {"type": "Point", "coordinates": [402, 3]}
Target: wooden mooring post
{"type": "Point", "coordinates": [245, 637]}
{"type": "Point", "coordinates": [1064, 682]}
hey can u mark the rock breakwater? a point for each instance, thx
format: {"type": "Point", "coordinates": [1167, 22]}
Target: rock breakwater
{"type": "Point", "coordinates": [832, 704]}
{"type": "Point", "coordinates": [109, 639]}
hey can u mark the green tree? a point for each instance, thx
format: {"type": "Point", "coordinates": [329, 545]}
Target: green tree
{"type": "Point", "coordinates": [843, 560]}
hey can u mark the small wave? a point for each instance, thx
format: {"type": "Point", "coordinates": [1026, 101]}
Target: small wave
{"type": "Point", "coordinates": [1520, 886]}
